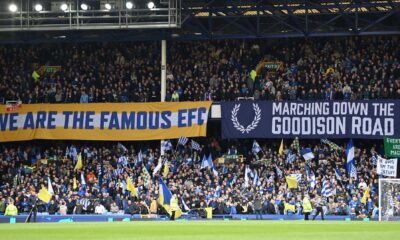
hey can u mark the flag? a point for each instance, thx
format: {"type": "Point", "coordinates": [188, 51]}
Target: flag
{"type": "Point", "coordinates": [374, 159]}
{"type": "Point", "coordinates": [246, 176]}
{"type": "Point", "coordinates": [185, 206]}
{"type": "Point", "coordinates": [291, 181]}
{"type": "Point", "coordinates": [139, 158]}
{"type": "Point", "coordinates": [326, 189]}
{"type": "Point", "coordinates": [166, 169]}
{"type": "Point", "coordinates": [307, 153]}
{"type": "Point", "coordinates": [204, 162]}
{"type": "Point", "coordinates": [332, 145]}
{"type": "Point", "coordinates": [164, 198]}
{"type": "Point", "coordinates": [44, 195]}
{"type": "Point", "coordinates": [158, 167]}
{"type": "Point", "coordinates": [195, 146]}
{"type": "Point", "coordinates": [79, 164]}
{"type": "Point", "coordinates": [295, 144]}
{"type": "Point", "coordinates": [35, 76]}
{"type": "Point", "coordinates": [290, 207]}
{"type": "Point", "coordinates": [290, 157]}
{"type": "Point", "coordinates": [278, 171]}
{"type": "Point", "coordinates": [215, 172]}
{"type": "Point", "coordinates": [210, 161]}
{"type": "Point", "coordinates": [338, 174]}
{"type": "Point", "coordinates": [256, 147]}
{"type": "Point", "coordinates": [122, 147]}
{"type": "Point", "coordinates": [83, 182]}
{"type": "Point", "coordinates": [256, 179]}
{"type": "Point", "coordinates": [49, 186]}
{"type": "Point", "coordinates": [67, 153]}
{"type": "Point", "coordinates": [280, 151]}
{"type": "Point", "coordinates": [75, 186]}
{"type": "Point", "coordinates": [351, 168]}
{"type": "Point", "coordinates": [131, 187]}
{"type": "Point", "coordinates": [123, 160]}
{"type": "Point", "coordinates": [166, 145]}
{"type": "Point", "coordinates": [366, 195]}
{"type": "Point", "coordinates": [183, 140]}
{"type": "Point", "coordinates": [145, 176]}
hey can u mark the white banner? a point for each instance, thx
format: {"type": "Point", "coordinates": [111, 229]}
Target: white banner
{"type": "Point", "coordinates": [387, 167]}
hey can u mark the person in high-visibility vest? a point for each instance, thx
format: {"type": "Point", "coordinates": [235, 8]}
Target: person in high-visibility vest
{"type": "Point", "coordinates": [174, 206]}
{"type": "Point", "coordinates": [307, 208]}
{"type": "Point", "coordinates": [11, 209]}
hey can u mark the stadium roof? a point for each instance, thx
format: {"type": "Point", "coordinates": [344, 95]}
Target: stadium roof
{"type": "Point", "coordinates": [202, 19]}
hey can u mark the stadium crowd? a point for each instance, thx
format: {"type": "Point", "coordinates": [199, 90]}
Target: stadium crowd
{"type": "Point", "coordinates": [323, 69]}
{"type": "Point", "coordinates": [226, 189]}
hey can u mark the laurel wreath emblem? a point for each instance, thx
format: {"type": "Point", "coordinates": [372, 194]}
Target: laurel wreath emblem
{"type": "Point", "coordinates": [254, 123]}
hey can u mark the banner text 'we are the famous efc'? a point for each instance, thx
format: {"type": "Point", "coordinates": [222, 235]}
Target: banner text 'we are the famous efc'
{"type": "Point", "coordinates": [104, 121]}
{"type": "Point", "coordinates": [311, 119]}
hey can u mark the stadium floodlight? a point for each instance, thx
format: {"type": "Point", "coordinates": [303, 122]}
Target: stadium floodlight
{"type": "Point", "coordinates": [150, 5]}
{"type": "Point", "coordinates": [129, 5]}
{"type": "Point", "coordinates": [107, 6]}
{"type": "Point", "coordinates": [84, 7]}
{"type": "Point", "coordinates": [64, 7]}
{"type": "Point", "coordinates": [12, 7]}
{"type": "Point", "coordinates": [38, 7]}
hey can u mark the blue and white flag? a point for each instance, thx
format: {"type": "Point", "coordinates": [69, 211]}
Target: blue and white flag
{"type": "Point", "coordinates": [139, 157]}
{"type": "Point", "coordinates": [310, 177]}
{"type": "Point", "coordinates": [185, 206]}
{"type": "Point", "coordinates": [195, 145]}
{"type": "Point", "coordinates": [290, 157]}
{"type": "Point", "coordinates": [374, 159]}
{"type": "Point", "coordinates": [204, 163]}
{"type": "Point", "coordinates": [118, 171]}
{"type": "Point", "coordinates": [247, 171]}
{"type": "Point", "coordinates": [326, 189]}
{"type": "Point", "coordinates": [217, 192]}
{"type": "Point", "coordinates": [166, 145]}
{"type": "Point", "coordinates": [123, 160]}
{"type": "Point", "coordinates": [351, 167]}
{"type": "Point", "coordinates": [338, 174]}
{"type": "Point", "coordinates": [210, 161]}
{"type": "Point", "coordinates": [256, 179]}
{"type": "Point", "coordinates": [256, 147]}
{"type": "Point", "coordinates": [49, 186]}
{"type": "Point", "coordinates": [278, 171]}
{"type": "Point", "coordinates": [122, 147]}
{"type": "Point", "coordinates": [215, 172]}
{"type": "Point", "coordinates": [183, 140]}
{"type": "Point", "coordinates": [307, 153]}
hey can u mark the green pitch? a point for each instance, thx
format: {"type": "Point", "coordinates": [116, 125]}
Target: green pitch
{"type": "Point", "coordinates": [192, 230]}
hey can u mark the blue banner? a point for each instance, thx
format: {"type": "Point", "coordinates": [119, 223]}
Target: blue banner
{"type": "Point", "coordinates": [311, 119]}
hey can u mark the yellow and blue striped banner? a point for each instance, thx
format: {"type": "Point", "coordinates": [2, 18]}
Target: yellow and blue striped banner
{"type": "Point", "coordinates": [104, 121]}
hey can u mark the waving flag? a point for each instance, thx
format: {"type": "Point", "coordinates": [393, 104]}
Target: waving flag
{"type": "Point", "coordinates": [131, 187]}
{"type": "Point", "coordinates": [49, 186]}
{"type": "Point", "coordinates": [310, 177]}
{"type": "Point", "coordinates": [79, 164]}
{"type": "Point", "coordinates": [164, 198]}
{"type": "Point", "coordinates": [195, 145]}
{"type": "Point", "coordinates": [166, 145]}
{"type": "Point", "coordinates": [183, 140]}
{"type": "Point", "coordinates": [291, 181]}
{"type": "Point", "coordinates": [256, 147]}
{"type": "Point", "coordinates": [326, 189]}
{"type": "Point", "coordinates": [307, 153]}
{"type": "Point", "coordinates": [280, 151]}
{"type": "Point", "coordinates": [256, 179]}
{"type": "Point", "coordinates": [246, 176]}
{"type": "Point", "coordinates": [351, 167]}
{"type": "Point", "coordinates": [290, 157]}
{"type": "Point", "coordinates": [332, 145]}
{"type": "Point", "coordinates": [158, 167]}
{"type": "Point", "coordinates": [204, 163]}
{"type": "Point", "coordinates": [122, 148]}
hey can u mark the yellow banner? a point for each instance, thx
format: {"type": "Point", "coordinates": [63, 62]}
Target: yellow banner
{"type": "Point", "coordinates": [104, 121]}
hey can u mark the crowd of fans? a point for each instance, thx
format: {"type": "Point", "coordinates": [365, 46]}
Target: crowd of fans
{"type": "Point", "coordinates": [323, 69]}
{"type": "Point", "coordinates": [226, 190]}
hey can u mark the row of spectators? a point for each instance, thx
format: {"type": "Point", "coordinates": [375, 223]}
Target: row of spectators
{"type": "Point", "coordinates": [323, 69]}
{"type": "Point", "coordinates": [227, 190]}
